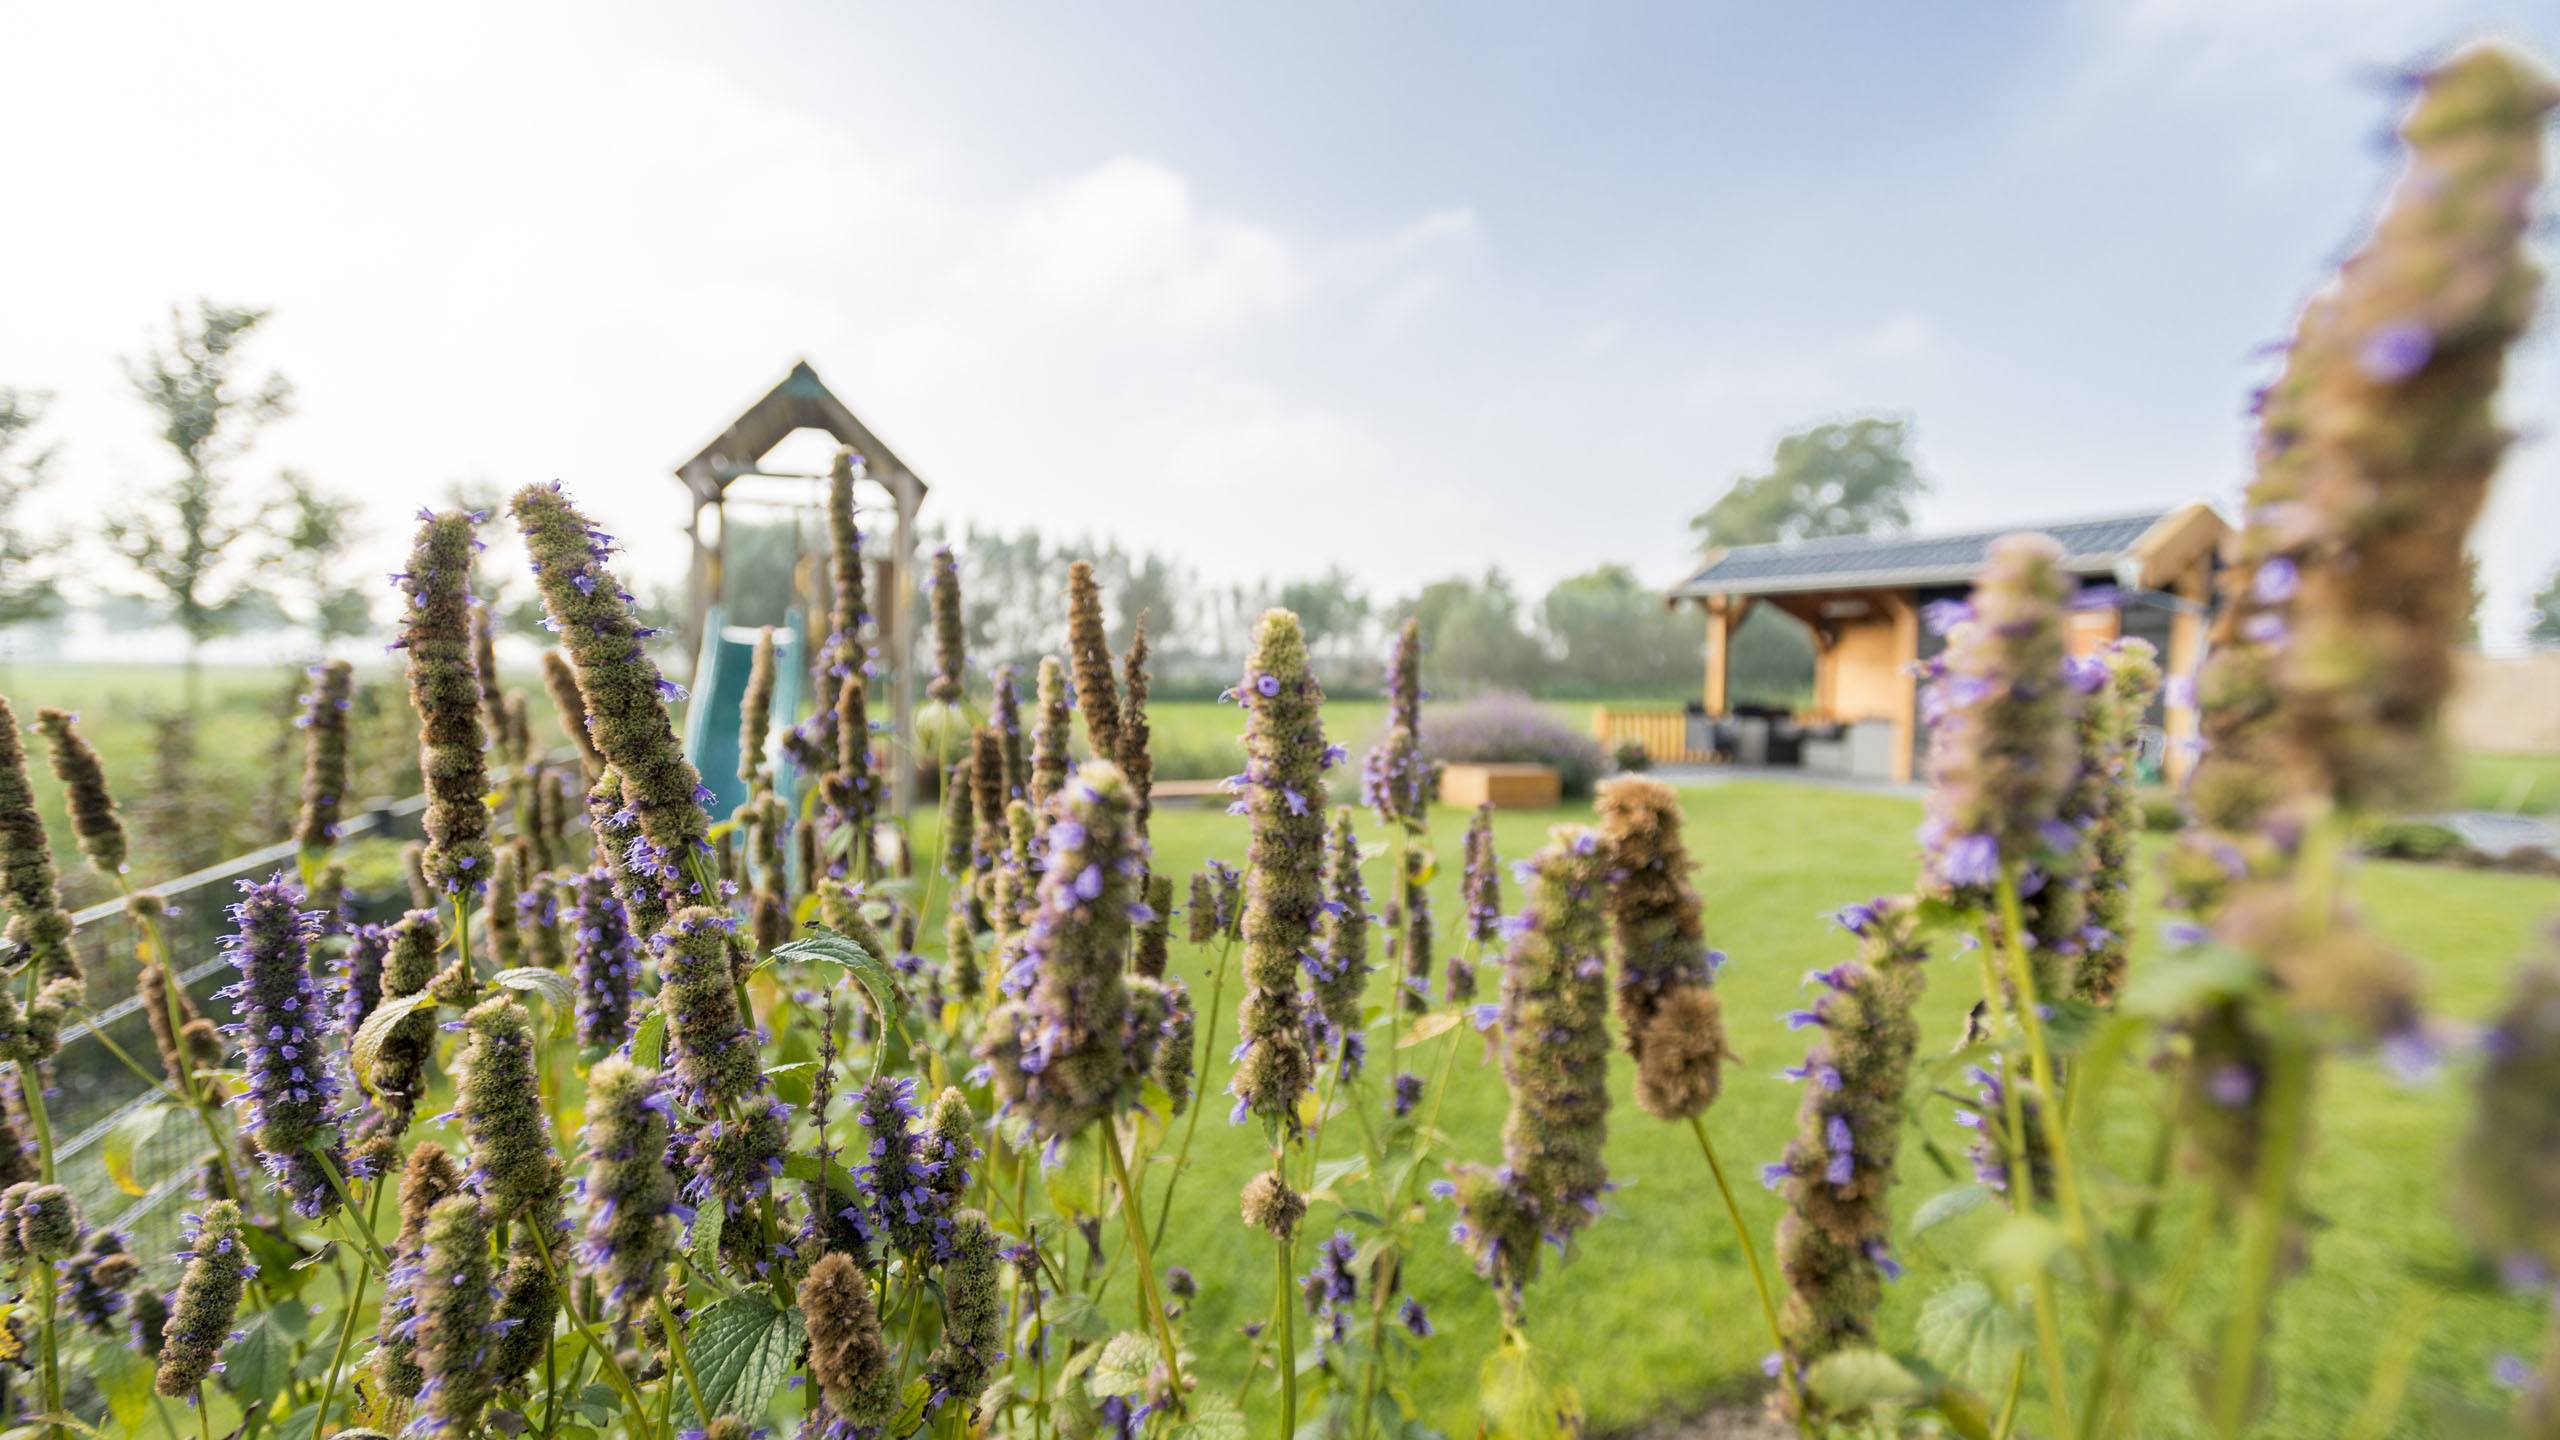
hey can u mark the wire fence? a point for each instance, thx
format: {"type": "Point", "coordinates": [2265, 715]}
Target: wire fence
{"type": "Point", "coordinates": [96, 1089]}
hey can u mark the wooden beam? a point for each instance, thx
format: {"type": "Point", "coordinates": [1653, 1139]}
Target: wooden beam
{"type": "Point", "coordinates": [2186, 654]}
{"type": "Point", "coordinates": [1720, 624]}
{"type": "Point", "coordinates": [1906, 694]}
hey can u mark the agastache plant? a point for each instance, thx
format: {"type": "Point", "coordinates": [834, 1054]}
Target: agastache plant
{"type": "Point", "coordinates": [626, 696]}
{"type": "Point", "coordinates": [950, 643]}
{"type": "Point", "coordinates": [324, 767]}
{"type": "Point", "coordinates": [627, 1192]}
{"type": "Point", "coordinates": [435, 630]}
{"type": "Point", "coordinates": [1049, 740]}
{"type": "Point", "coordinates": [2110, 730]}
{"type": "Point", "coordinates": [279, 1025]}
{"type": "Point", "coordinates": [1097, 697]}
{"type": "Point", "coordinates": [199, 1326]}
{"type": "Point", "coordinates": [95, 824]}
{"type": "Point", "coordinates": [1340, 965]}
{"type": "Point", "coordinates": [1667, 1006]}
{"type": "Point", "coordinates": [1835, 1239]}
{"type": "Point", "coordinates": [1282, 792]}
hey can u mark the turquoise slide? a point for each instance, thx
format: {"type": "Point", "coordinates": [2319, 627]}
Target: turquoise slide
{"type": "Point", "coordinates": [711, 719]}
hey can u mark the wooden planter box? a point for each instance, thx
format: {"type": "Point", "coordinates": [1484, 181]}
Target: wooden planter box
{"type": "Point", "coordinates": [1504, 787]}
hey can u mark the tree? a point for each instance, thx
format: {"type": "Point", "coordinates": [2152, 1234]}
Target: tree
{"type": "Point", "coordinates": [1472, 635]}
{"type": "Point", "coordinates": [316, 535]}
{"type": "Point", "coordinates": [188, 537]}
{"type": "Point", "coordinates": [1850, 478]}
{"type": "Point", "coordinates": [1330, 608]}
{"type": "Point", "coordinates": [2542, 629]}
{"type": "Point", "coordinates": [27, 588]}
{"type": "Point", "coordinates": [1614, 636]}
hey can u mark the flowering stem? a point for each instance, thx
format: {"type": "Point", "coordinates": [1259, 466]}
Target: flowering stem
{"type": "Point", "coordinates": [1741, 1233]}
{"type": "Point", "coordinates": [684, 1362]}
{"type": "Point", "coordinates": [1286, 1361]}
{"type": "Point", "coordinates": [38, 1277]}
{"type": "Point", "coordinates": [569, 1307]}
{"type": "Point", "coordinates": [374, 1255]}
{"type": "Point", "coordinates": [2288, 1106]}
{"type": "Point", "coordinates": [1208, 1046]}
{"type": "Point", "coordinates": [2066, 1183]}
{"type": "Point", "coordinates": [1147, 1296]}
{"type": "Point", "coordinates": [347, 1322]}
{"type": "Point", "coordinates": [2022, 1182]}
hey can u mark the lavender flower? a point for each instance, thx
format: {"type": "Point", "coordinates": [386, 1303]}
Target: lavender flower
{"type": "Point", "coordinates": [715, 1055]}
{"type": "Point", "coordinates": [1555, 999]}
{"type": "Point", "coordinates": [324, 763]}
{"type": "Point", "coordinates": [278, 1024]}
{"type": "Point", "coordinates": [498, 1097]}
{"type": "Point", "coordinates": [95, 1281]}
{"type": "Point", "coordinates": [626, 697]}
{"type": "Point", "coordinates": [95, 825]}
{"type": "Point", "coordinates": [1482, 881]}
{"type": "Point", "coordinates": [456, 1300]}
{"type": "Point", "coordinates": [444, 689]}
{"type": "Point", "coordinates": [1154, 946]}
{"type": "Point", "coordinates": [1060, 1053]}
{"type": "Point", "coordinates": [538, 921]}
{"type": "Point", "coordinates": [1283, 781]}
{"type": "Point", "coordinates": [1340, 966]}
{"type": "Point", "coordinates": [1667, 1002]}
{"type": "Point", "coordinates": [628, 1192]}
{"type": "Point", "coordinates": [899, 1178]}
{"type": "Point", "coordinates": [1837, 1174]}
{"type": "Point", "coordinates": [48, 1222]}
{"type": "Point", "coordinates": [2000, 717]}
{"type": "Point", "coordinates": [972, 1313]}
{"type": "Point", "coordinates": [429, 1178]}
{"type": "Point", "coordinates": [199, 1325]}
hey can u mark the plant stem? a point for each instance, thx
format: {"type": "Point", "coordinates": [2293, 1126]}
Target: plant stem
{"type": "Point", "coordinates": [1147, 1295]}
{"type": "Point", "coordinates": [684, 1362]}
{"type": "Point", "coordinates": [1741, 1233]}
{"type": "Point", "coordinates": [2288, 1107]}
{"type": "Point", "coordinates": [2120, 1305]}
{"type": "Point", "coordinates": [347, 1322]}
{"type": "Point", "coordinates": [1287, 1358]}
{"type": "Point", "coordinates": [1208, 1046]}
{"type": "Point", "coordinates": [374, 1254]}
{"type": "Point", "coordinates": [2065, 1177]}
{"type": "Point", "coordinates": [569, 1307]}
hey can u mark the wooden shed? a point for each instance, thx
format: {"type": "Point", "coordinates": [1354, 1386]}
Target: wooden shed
{"type": "Point", "coordinates": [1860, 600]}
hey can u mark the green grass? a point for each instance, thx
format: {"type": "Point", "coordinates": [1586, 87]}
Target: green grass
{"type": "Point", "coordinates": [1654, 1313]}
{"type": "Point", "coordinates": [2529, 784]}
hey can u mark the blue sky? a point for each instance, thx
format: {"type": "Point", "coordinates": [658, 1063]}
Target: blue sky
{"type": "Point", "coordinates": [1410, 288]}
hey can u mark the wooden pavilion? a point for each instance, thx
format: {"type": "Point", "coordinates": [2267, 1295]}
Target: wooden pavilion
{"type": "Point", "coordinates": [1860, 599]}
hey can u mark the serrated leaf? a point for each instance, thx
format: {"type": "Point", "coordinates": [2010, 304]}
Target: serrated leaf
{"type": "Point", "coordinates": [1333, 1172]}
{"type": "Point", "coordinates": [127, 1136]}
{"type": "Point", "coordinates": [741, 1349]}
{"type": "Point", "coordinates": [649, 1038]}
{"type": "Point", "coordinates": [1127, 1359]}
{"type": "Point", "coordinates": [1213, 1417]}
{"type": "Point", "coordinates": [2021, 1248]}
{"type": "Point", "coordinates": [825, 946]}
{"type": "Point", "coordinates": [1848, 1380]}
{"type": "Point", "coordinates": [1430, 1026]}
{"type": "Point", "coordinates": [1074, 1184]}
{"type": "Point", "coordinates": [554, 987]}
{"type": "Point", "coordinates": [123, 1377]}
{"type": "Point", "coordinates": [1966, 1330]}
{"type": "Point", "coordinates": [703, 1244]}
{"type": "Point", "coordinates": [376, 1031]}
{"type": "Point", "coordinates": [257, 1366]}
{"type": "Point", "coordinates": [1946, 1205]}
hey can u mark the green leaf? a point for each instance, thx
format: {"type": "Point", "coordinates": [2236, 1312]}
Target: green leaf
{"type": "Point", "coordinates": [377, 1028]}
{"type": "Point", "coordinates": [1075, 1317]}
{"type": "Point", "coordinates": [741, 1349]}
{"type": "Point", "coordinates": [1074, 1184]}
{"type": "Point", "coordinates": [123, 1377]}
{"type": "Point", "coordinates": [1332, 1172]}
{"type": "Point", "coordinates": [554, 987]}
{"type": "Point", "coordinates": [1965, 1329]}
{"type": "Point", "coordinates": [704, 1243]}
{"type": "Point", "coordinates": [2020, 1249]}
{"type": "Point", "coordinates": [129, 1135]}
{"type": "Point", "coordinates": [1946, 1205]}
{"type": "Point", "coordinates": [1213, 1417]}
{"type": "Point", "coordinates": [257, 1366]}
{"type": "Point", "coordinates": [1127, 1358]}
{"type": "Point", "coordinates": [1848, 1380]}
{"type": "Point", "coordinates": [2179, 981]}
{"type": "Point", "coordinates": [649, 1039]}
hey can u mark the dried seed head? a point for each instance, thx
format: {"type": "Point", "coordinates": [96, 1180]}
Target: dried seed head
{"type": "Point", "coordinates": [1269, 1205]}
{"type": "Point", "coordinates": [94, 821]}
{"type": "Point", "coordinates": [1666, 1001]}
{"type": "Point", "coordinates": [1096, 694]}
{"type": "Point", "coordinates": [444, 689]}
{"type": "Point", "coordinates": [324, 759]}
{"type": "Point", "coordinates": [846, 1354]}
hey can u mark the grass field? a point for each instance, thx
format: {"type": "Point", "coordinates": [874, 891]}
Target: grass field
{"type": "Point", "coordinates": [1654, 1313]}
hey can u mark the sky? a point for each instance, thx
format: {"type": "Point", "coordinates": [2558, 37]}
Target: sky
{"type": "Point", "coordinates": [1413, 289]}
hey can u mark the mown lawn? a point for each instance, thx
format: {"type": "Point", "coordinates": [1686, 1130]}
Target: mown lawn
{"type": "Point", "coordinates": [1654, 1313]}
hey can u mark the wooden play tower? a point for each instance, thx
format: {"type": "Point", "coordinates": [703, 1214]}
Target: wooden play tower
{"type": "Point", "coordinates": [730, 470]}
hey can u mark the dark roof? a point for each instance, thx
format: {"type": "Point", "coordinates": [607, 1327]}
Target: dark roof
{"type": "Point", "coordinates": [1866, 562]}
